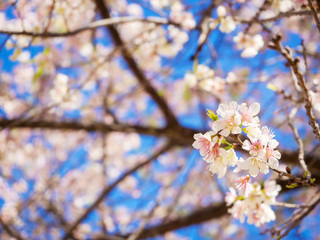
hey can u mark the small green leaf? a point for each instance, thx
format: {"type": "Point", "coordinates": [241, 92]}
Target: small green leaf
{"type": "Point", "coordinates": [312, 180]}
{"type": "Point", "coordinates": [305, 174]}
{"type": "Point", "coordinates": [245, 130]}
{"type": "Point", "coordinates": [212, 115]}
{"type": "Point", "coordinates": [226, 142]}
{"type": "Point", "coordinates": [228, 147]}
{"type": "Point", "coordinates": [38, 74]}
{"type": "Point", "coordinates": [195, 65]}
{"type": "Point", "coordinates": [187, 94]}
{"type": "Point", "coordinates": [293, 185]}
{"type": "Point", "coordinates": [46, 51]}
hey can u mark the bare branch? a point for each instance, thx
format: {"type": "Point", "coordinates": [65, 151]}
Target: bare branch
{"type": "Point", "coordinates": [108, 189]}
{"type": "Point", "coordinates": [314, 14]}
{"type": "Point", "coordinates": [293, 63]}
{"type": "Point", "coordinates": [92, 26]}
{"type": "Point", "coordinates": [171, 119]}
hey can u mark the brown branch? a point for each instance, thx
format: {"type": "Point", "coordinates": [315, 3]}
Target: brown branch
{"type": "Point", "coordinates": [293, 63]}
{"type": "Point", "coordinates": [299, 141]}
{"type": "Point", "coordinates": [314, 14]}
{"type": "Point", "coordinates": [171, 119]}
{"type": "Point", "coordinates": [92, 26]}
{"type": "Point", "coordinates": [279, 16]}
{"type": "Point", "coordinates": [183, 135]}
{"type": "Point", "coordinates": [9, 230]}
{"type": "Point", "coordinates": [197, 217]}
{"type": "Point", "coordinates": [108, 189]}
{"type": "Point", "coordinates": [296, 219]}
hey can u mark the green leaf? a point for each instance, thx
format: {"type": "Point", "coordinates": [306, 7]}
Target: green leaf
{"type": "Point", "coordinates": [228, 147]}
{"type": "Point", "coordinates": [240, 198]}
{"type": "Point", "coordinates": [195, 65]}
{"type": "Point", "coordinates": [187, 93]}
{"type": "Point", "coordinates": [212, 115]}
{"type": "Point", "coordinates": [305, 174]}
{"type": "Point", "coordinates": [293, 185]}
{"type": "Point", "coordinates": [245, 130]}
{"type": "Point", "coordinates": [312, 180]}
{"type": "Point", "coordinates": [46, 51]}
{"type": "Point", "coordinates": [38, 74]}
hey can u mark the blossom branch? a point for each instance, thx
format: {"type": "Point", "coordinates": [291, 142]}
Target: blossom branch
{"type": "Point", "coordinates": [299, 141]}
{"type": "Point", "coordinates": [289, 205]}
{"type": "Point", "coordinates": [171, 119]}
{"type": "Point", "coordinates": [105, 192]}
{"type": "Point", "coordinates": [314, 14]}
{"type": "Point", "coordinates": [92, 26]}
{"type": "Point", "coordinates": [12, 232]}
{"type": "Point", "coordinates": [296, 218]}
{"type": "Point", "coordinates": [279, 16]}
{"type": "Point", "coordinates": [293, 63]}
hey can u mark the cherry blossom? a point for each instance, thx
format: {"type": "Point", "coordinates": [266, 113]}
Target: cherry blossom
{"type": "Point", "coordinates": [250, 44]}
{"type": "Point", "coordinates": [256, 204]}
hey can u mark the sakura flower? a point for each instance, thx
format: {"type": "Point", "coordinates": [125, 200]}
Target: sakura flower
{"type": "Point", "coordinates": [261, 214]}
{"type": "Point", "coordinates": [209, 149]}
{"type": "Point", "coordinates": [254, 165]}
{"type": "Point", "coordinates": [242, 185]}
{"type": "Point", "coordinates": [282, 5]}
{"type": "Point", "coordinates": [219, 164]}
{"type": "Point", "coordinates": [227, 25]}
{"type": "Point", "coordinates": [256, 204]}
{"type": "Point", "coordinates": [253, 132]}
{"type": "Point", "coordinates": [238, 210]}
{"type": "Point", "coordinates": [248, 115]}
{"type": "Point", "coordinates": [231, 196]}
{"type": "Point", "coordinates": [251, 45]}
{"type": "Point", "coordinates": [273, 155]}
{"type": "Point", "coordinates": [159, 4]}
{"type": "Point", "coordinates": [221, 11]}
{"type": "Point", "coordinates": [230, 120]}
{"type": "Point", "coordinates": [271, 190]}
{"type": "Point", "coordinates": [214, 86]}
{"type": "Point", "coordinates": [179, 15]}
{"type": "Point", "coordinates": [254, 148]}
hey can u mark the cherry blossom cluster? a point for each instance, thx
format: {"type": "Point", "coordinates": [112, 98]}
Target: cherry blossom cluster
{"type": "Point", "coordinates": [255, 204]}
{"type": "Point", "coordinates": [249, 44]}
{"type": "Point", "coordinates": [206, 79]}
{"type": "Point", "coordinates": [232, 120]}
{"type": "Point", "coordinates": [227, 24]}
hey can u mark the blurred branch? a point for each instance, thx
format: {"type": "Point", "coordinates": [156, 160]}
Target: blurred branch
{"type": "Point", "coordinates": [101, 23]}
{"type": "Point", "coordinates": [183, 135]}
{"type": "Point", "coordinates": [277, 17]}
{"type": "Point", "coordinates": [295, 219]}
{"type": "Point", "coordinates": [314, 14]}
{"type": "Point", "coordinates": [198, 216]}
{"type": "Point", "coordinates": [299, 141]}
{"type": "Point", "coordinates": [108, 189]}
{"type": "Point", "coordinates": [293, 63]}
{"type": "Point", "coordinates": [10, 231]}
{"type": "Point", "coordinates": [171, 119]}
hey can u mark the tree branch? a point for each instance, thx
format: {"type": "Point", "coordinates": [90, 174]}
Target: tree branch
{"type": "Point", "coordinates": [108, 189]}
{"type": "Point", "coordinates": [171, 119]}
{"type": "Point", "coordinates": [92, 26]}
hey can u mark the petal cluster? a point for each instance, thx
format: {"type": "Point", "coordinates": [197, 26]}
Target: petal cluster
{"type": "Point", "coordinates": [232, 120]}
{"type": "Point", "coordinates": [256, 205]}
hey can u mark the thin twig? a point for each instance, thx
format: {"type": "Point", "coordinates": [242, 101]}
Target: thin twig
{"type": "Point", "coordinates": [108, 189]}
{"type": "Point", "coordinates": [293, 63]}
{"type": "Point", "coordinates": [299, 141]}
{"type": "Point", "coordinates": [92, 26]}
{"type": "Point", "coordinates": [314, 14]}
